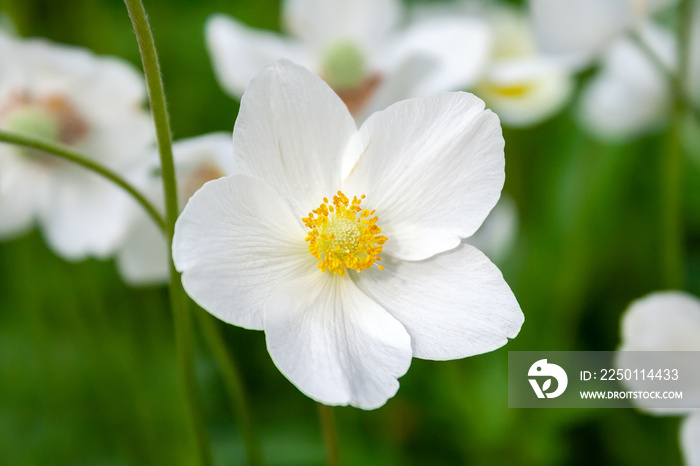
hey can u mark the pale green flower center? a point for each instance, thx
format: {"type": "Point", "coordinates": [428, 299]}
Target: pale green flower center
{"type": "Point", "coordinates": [34, 121]}
{"type": "Point", "coordinates": [343, 65]}
{"type": "Point", "coordinates": [51, 118]}
{"type": "Point", "coordinates": [344, 234]}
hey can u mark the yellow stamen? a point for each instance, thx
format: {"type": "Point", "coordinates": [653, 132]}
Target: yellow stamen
{"type": "Point", "coordinates": [344, 236]}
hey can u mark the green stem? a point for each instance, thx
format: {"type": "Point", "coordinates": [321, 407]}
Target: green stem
{"type": "Point", "coordinates": [672, 268]}
{"type": "Point", "coordinates": [671, 231]}
{"type": "Point", "coordinates": [233, 384]}
{"type": "Point", "coordinates": [685, 26]}
{"type": "Point", "coordinates": [672, 263]}
{"type": "Point", "coordinates": [68, 154]}
{"type": "Point", "coordinates": [675, 79]}
{"type": "Point", "coordinates": [182, 317]}
{"type": "Point", "coordinates": [330, 436]}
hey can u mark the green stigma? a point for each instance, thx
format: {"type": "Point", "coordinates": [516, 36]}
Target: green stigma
{"type": "Point", "coordinates": [343, 65]}
{"type": "Point", "coordinates": [32, 121]}
{"type": "Point", "coordinates": [345, 234]}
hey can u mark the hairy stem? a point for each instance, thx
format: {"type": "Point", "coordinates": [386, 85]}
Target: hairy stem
{"type": "Point", "coordinates": [179, 303]}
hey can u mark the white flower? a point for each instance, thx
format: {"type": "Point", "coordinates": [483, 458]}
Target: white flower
{"type": "Point", "coordinates": [143, 258]}
{"type": "Point", "coordinates": [690, 440]}
{"type": "Point", "coordinates": [521, 85]}
{"type": "Point", "coordinates": [68, 95]}
{"type": "Point", "coordinates": [669, 321]}
{"type": "Point", "coordinates": [580, 30]}
{"type": "Point", "coordinates": [280, 248]}
{"type": "Point", "coordinates": [497, 234]}
{"type": "Point", "coordinates": [357, 47]}
{"type": "Point", "coordinates": [630, 95]}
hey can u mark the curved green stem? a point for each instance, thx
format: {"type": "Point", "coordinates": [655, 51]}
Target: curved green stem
{"type": "Point", "coordinates": [68, 154]}
{"type": "Point", "coordinates": [232, 382]}
{"type": "Point", "coordinates": [330, 435]}
{"type": "Point", "coordinates": [182, 317]}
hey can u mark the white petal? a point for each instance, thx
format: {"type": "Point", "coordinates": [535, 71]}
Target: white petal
{"type": "Point", "coordinates": [543, 87]}
{"type": "Point", "coordinates": [457, 48]}
{"type": "Point", "coordinates": [144, 258]}
{"type": "Point", "coordinates": [86, 215]}
{"type": "Point", "coordinates": [322, 21]}
{"type": "Point", "coordinates": [453, 305]}
{"type": "Point", "coordinates": [662, 321]}
{"type": "Point", "coordinates": [215, 148]}
{"type": "Point", "coordinates": [580, 29]}
{"type": "Point", "coordinates": [291, 132]}
{"type": "Point", "coordinates": [397, 83]}
{"type": "Point", "coordinates": [118, 141]}
{"type": "Point", "coordinates": [615, 111]}
{"type": "Point", "coordinates": [334, 343]}
{"type": "Point", "coordinates": [21, 184]}
{"type": "Point", "coordinates": [498, 232]}
{"type": "Point", "coordinates": [239, 52]}
{"type": "Point", "coordinates": [659, 322]}
{"type": "Point", "coordinates": [112, 83]}
{"type": "Point", "coordinates": [235, 242]}
{"type": "Point", "coordinates": [432, 168]}
{"type": "Point", "coordinates": [630, 95]}
{"type": "Point", "coordinates": [690, 440]}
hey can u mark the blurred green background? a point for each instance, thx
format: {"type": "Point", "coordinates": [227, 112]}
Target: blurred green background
{"type": "Point", "coordinates": [87, 365]}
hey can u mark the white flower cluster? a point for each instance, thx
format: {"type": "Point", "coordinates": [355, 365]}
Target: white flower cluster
{"type": "Point", "coordinates": [345, 245]}
{"type": "Point", "coordinates": [94, 105]}
{"type": "Point", "coordinates": [372, 56]}
{"type": "Point", "coordinates": [630, 95]}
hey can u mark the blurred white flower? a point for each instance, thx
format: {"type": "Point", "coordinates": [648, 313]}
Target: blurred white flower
{"type": "Point", "coordinates": [143, 258]}
{"type": "Point", "coordinates": [668, 321]}
{"type": "Point", "coordinates": [523, 86]}
{"type": "Point", "coordinates": [630, 95]}
{"type": "Point", "coordinates": [280, 248]}
{"type": "Point", "coordinates": [497, 234]}
{"type": "Point", "coordinates": [690, 440]}
{"type": "Point", "coordinates": [70, 96]}
{"type": "Point", "coordinates": [580, 30]}
{"type": "Point", "coordinates": [358, 48]}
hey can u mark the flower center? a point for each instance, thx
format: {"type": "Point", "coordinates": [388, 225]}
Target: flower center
{"type": "Point", "coordinates": [206, 171]}
{"type": "Point", "coordinates": [343, 65]}
{"type": "Point", "coordinates": [343, 235]}
{"type": "Point", "coordinates": [51, 118]}
{"type": "Point", "coordinates": [511, 90]}
{"type": "Point", "coordinates": [33, 121]}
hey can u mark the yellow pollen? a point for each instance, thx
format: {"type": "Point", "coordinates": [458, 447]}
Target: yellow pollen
{"type": "Point", "coordinates": [343, 235]}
